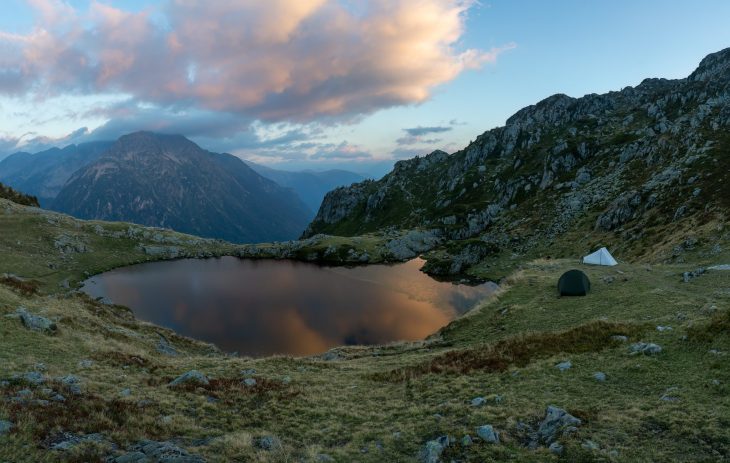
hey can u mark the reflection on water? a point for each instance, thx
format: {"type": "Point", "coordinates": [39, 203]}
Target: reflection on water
{"type": "Point", "coordinates": [286, 307]}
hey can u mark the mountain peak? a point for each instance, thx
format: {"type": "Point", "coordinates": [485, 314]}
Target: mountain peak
{"type": "Point", "coordinates": [713, 65]}
{"type": "Point", "coordinates": [169, 181]}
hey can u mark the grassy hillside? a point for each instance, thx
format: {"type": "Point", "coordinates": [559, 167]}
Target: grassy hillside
{"type": "Point", "coordinates": [369, 404]}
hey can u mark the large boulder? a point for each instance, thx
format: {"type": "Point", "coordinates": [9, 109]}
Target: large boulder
{"type": "Point", "coordinates": [556, 422]}
{"type": "Point", "coordinates": [36, 322]}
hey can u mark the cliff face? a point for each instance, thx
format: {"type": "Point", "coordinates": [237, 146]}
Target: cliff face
{"type": "Point", "coordinates": [604, 166]}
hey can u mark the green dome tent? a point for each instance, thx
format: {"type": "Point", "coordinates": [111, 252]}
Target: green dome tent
{"type": "Point", "coordinates": [574, 283]}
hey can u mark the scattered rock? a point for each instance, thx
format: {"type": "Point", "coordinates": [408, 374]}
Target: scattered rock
{"type": "Point", "coordinates": [331, 355]}
{"type": "Point", "coordinates": [249, 382]}
{"type": "Point", "coordinates": [488, 434]}
{"type": "Point", "coordinates": [478, 401]}
{"type": "Point", "coordinates": [191, 377]}
{"type": "Point", "coordinates": [323, 458]}
{"type": "Point", "coordinates": [590, 445]}
{"type": "Point", "coordinates": [268, 443]}
{"type": "Point", "coordinates": [562, 366]}
{"type": "Point", "coordinates": [466, 441]}
{"type": "Point", "coordinates": [125, 392]}
{"type": "Point", "coordinates": [72, 383]}
{"type": "Point", "coordinates": [667, 395]}
{"type": "Point", "coordinates": [620, 338]}
{"type": "Point", "coordinates": [157, 452]}
{"type": "Point", "coordinates": [35, 378]}
{"type": "Point", "coordinates": [599, 376]}
{"type": "Point", "coordinates": [36, 322]}
{"type": "Point", "coordinates": [248, 372]}
{"type": "Point", "coordinates": [645, 348]}
{"type": "Point", "coordinates": [86, 363]}
{"type": "Point", "coordinates": [556, 421]}
{"type": "Point", "coordinates": [556, 448]}
{"type": "Point", "coordinates": [687, 276]}
{"type": "Point", "coordinates": [5, 427]}
{"type": "Point", "coordinates": [432, 450]}
{"type": "Point", "coordinates": [66, 441]}
{"type": "Point", "coordinates": [164, 346]}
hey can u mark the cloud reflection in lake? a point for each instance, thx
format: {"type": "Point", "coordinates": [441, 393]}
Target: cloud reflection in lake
{"type": "Point", "coordinates": [285, 307]}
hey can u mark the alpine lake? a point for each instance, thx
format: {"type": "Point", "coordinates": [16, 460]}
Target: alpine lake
{"type": "Point", "coordinates": [267, 307]}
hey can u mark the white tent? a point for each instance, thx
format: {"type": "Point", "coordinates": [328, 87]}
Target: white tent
{"type": "Point", "coordinates": [600, 257]}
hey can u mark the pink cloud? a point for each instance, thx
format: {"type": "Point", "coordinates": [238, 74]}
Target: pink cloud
{"type": "Point", "coordinates": [274, 60]}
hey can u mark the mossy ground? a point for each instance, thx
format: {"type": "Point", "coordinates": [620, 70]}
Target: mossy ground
{"type": "Point", "coordinates": [378, 403]}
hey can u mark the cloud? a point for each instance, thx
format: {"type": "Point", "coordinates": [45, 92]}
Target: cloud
{"type": "Point", "coordinates": [418, 131]}
{"type": "Point", "coordinates": [273, 61]}
{"type": "Point", "coordinates": [32, 142]}
{"type": "Point", "coordinates": [417, 135]}
{"type": "Point", "coordinates": [341, 152]}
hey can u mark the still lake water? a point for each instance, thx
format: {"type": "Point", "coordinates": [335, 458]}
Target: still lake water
{"type": "Point", "coordinates": [262, 307]}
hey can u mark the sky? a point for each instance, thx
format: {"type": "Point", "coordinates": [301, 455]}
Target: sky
{"type": "Point", "coordinates": [316, 84]}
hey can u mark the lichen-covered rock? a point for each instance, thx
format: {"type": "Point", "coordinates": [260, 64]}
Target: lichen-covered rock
{"type": "Point", "coordinates": [556, 422]}
{"type": "Point", "coordinates": [36, 322]}
{"type": "Point", "coordinates": [164, 346]}
{"type": "Point", "coordinates": [190, 377]}
{"type": "Point", "coordinates": [413, 243]}
{"type": "Point", "coordinates": [148, 451]}
{"type": "Point", "coordinates": [432, 450]}
{"type": "Point", "coordinates": [68, 244]}
{"type": "Point", "coordinates": [269, 443]}
{"type": "Point", "coordinates": [488, 434]}
{"type": "Point", "coordinates": [645, 348]}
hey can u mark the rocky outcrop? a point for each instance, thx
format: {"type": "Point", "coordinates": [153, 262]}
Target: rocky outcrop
{"type": "Point", "coordinates": [612, 163]}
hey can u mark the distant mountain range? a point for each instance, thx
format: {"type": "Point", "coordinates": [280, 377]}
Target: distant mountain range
{"type": "Point", "coordinates": [310, 185]}
{"type": "Point", "coordinates": [169, 181]}
{"type": "Point", "coordinates": [44, 174]}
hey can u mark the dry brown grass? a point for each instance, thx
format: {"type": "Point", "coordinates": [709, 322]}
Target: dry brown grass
{"type": "Point", "coordinates": [21, 286]}
{"type": "Point", "coordinates": [706, 332]}
{"type": "Point", "coordinates": [80, 414]}
{"type": "Point", "coordinates": [518, 351]}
